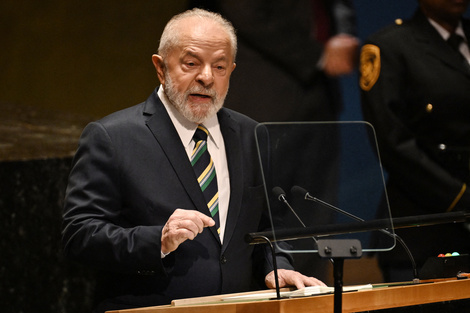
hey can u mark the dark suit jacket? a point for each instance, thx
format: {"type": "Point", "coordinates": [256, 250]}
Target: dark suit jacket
{"type": "Point", "coordinates": [129, 174]}
{"type": "Point", "coordinates": [420, 101]}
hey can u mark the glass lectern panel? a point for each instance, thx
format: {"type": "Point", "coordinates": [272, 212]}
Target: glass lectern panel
{"type": "Point", "coordinates": [319, 174]}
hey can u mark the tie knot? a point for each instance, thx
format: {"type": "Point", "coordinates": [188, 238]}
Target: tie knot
{"type": "Point", "coordinates": [201, 133]}
{"type": "Point", "coordinates": [454, 41]}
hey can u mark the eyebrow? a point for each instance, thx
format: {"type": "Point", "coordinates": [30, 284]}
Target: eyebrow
{"type": "Point", "coordinates": [190, 53]}
{"type": "Point", "coordinates": [195, 55]}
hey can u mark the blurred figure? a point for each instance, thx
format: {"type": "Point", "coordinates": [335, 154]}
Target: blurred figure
{"type": "Point", "coordinates": [290, 52]}
{"type": "Point", "coordinates": [415, 91]}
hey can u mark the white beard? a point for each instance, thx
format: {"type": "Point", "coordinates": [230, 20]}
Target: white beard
{"type": "Point", "coordinates": [196, 113]}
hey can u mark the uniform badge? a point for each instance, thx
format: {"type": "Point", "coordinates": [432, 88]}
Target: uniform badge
{"type": "Point", "coordinates": [369, 66]}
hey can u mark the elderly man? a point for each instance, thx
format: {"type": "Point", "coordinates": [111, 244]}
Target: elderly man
{"type": "Point", "coordinates": [161, 194]}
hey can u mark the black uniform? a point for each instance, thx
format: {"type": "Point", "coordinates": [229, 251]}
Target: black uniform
{"type": "Point", "coordinates": [416, 93]}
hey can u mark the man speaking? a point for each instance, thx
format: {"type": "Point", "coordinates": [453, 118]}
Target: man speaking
{"type": "Point", "coordinates": [161, 194]}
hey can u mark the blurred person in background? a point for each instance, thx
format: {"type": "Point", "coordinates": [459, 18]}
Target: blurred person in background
{"type": "Point", "coordinates": [415, 79]}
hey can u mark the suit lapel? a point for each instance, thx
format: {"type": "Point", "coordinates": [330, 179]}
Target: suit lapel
{"type": "Point", "coordinates": [231, 132]}
{"type": "Point", "coordinates": [165, 133]}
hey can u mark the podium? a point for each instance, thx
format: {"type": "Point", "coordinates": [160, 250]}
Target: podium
{"type": "Point", "coordinates": [381, 297]}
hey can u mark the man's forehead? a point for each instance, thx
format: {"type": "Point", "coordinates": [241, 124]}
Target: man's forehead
{"type": "Point", "coordinates": [204, 28]}
{"type": "Point", "coordinates": [203, 34]}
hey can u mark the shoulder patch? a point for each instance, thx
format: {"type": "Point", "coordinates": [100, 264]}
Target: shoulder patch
{"type": "Point", "coordinates": [369, 66]}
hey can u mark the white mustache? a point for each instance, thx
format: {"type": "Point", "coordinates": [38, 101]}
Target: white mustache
{"type": "Point", "coordinates": [203, 91]}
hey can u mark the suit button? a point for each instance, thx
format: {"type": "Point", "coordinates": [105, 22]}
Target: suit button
{"type": "Point", "coordinates": [223, 260]}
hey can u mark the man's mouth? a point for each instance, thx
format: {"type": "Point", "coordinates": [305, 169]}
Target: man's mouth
{"type": "Point", "coordinates": [200, 98]}
{"type": "Point", "coordinates": [200, 95]}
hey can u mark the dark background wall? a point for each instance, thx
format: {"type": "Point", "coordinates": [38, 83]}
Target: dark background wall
{"type": "Point", "coordinates": [88, 57]}
{"type": "Point", "coordinates": [93, 57]}
{"type": "Point", "coordinates": [74, 61]}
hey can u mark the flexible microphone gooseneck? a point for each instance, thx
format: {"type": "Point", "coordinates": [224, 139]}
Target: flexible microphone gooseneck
{"type": "Point", "coordinates": [306, 195]}
{"type": "Point", "coordinates": [281, 196]}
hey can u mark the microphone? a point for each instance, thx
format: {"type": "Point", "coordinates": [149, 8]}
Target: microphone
{"type": "Point", "coordinates": [281, 196]}
{"type": "Point", "coordinates": [306, 195]}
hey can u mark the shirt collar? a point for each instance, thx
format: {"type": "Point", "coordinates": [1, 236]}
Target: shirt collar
{"type": "Point", "coordinates": [186, 128]}
{"type": "Point", "coordinates": [444, 33]}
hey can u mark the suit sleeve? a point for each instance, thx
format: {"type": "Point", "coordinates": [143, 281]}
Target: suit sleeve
{"type": "Point", "coordinates": [92, 233]}
{"type": "Point", "coordinates": [424, 180]}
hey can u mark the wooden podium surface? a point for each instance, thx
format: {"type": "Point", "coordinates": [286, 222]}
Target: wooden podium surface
{"type": "Point", "coordinates": [359, 301]}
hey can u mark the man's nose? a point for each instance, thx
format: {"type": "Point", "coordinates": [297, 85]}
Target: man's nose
{"type": "Point", "coordinates": [205, 76]}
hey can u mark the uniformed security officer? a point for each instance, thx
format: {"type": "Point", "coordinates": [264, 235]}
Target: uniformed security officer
{"type": "Point", "coordinates": [416, 93]}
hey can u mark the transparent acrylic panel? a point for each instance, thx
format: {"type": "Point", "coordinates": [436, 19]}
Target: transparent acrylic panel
{"type": "Point", "coordinates": [338, 164]}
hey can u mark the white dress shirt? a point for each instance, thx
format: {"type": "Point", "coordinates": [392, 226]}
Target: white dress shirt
{"type": "Point", "coordinates": [216, 147]}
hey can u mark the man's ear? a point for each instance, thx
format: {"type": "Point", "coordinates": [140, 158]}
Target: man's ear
{"type": "Point", "coordinates": [157, 61]}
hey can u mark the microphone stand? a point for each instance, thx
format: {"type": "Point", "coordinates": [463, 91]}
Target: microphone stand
{"type": "Point", "coordinates": [338, 250]}
{"type": "Point", "coordinates": [273, 252]}
{"type": "Point", "coordinates": [327, 247]}
{"type": "Point", "coordinates": [335, 250]}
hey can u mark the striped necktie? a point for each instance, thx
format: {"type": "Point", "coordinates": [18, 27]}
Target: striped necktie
{"type": "Point", "coordinates": [204, 168]}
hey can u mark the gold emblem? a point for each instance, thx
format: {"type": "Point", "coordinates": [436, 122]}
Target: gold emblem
{"type": "Point", "coordinates": [369, 66]}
